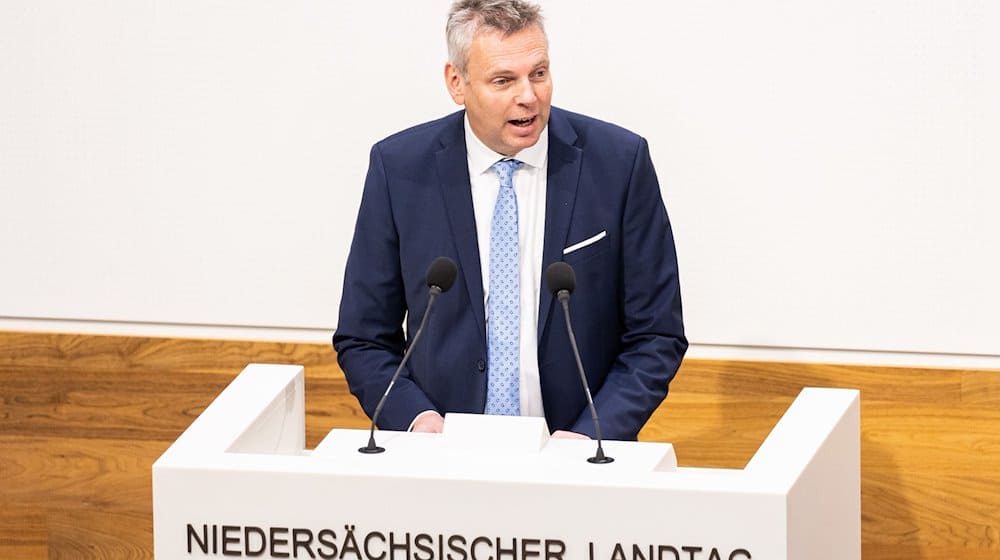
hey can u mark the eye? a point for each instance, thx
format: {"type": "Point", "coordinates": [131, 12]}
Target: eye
{"type": "Point", "coordinates": [541, 73]}
{"type": "Point", "coordinates": [501, 81]}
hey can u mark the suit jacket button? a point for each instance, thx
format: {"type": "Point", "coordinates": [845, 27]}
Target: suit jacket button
{"type": "Point", "coordinates": [481, 365]}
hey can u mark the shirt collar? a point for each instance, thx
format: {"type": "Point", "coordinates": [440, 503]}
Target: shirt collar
{"type": "Point", "coordinates": [481, 158]}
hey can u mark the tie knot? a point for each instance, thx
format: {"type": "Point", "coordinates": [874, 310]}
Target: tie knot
{"type": "Point", "coordinates": [505, 169]}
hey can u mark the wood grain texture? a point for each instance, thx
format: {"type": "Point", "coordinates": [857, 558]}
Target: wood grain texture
{"type": "Point", "coordinates": [82, 418]}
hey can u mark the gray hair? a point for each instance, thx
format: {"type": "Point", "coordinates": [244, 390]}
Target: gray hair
{"type": "Point", "coordinates": [468, 17]}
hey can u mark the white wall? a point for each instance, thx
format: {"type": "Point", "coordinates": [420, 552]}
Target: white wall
{"type": "Point", "coordinates": [194, 167]}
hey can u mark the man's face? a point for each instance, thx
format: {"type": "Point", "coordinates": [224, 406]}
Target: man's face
{"type": "Point", "coordinates": [509, 92]}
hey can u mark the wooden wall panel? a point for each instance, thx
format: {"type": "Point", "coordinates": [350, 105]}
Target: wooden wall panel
{"type": "Point", "coordinates": [82, 418]}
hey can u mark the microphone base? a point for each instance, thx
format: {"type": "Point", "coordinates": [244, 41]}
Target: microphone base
{"type": "Point", "coordinates": [371, 450]}
{"type": "Point", "coordinates": [600, 460]}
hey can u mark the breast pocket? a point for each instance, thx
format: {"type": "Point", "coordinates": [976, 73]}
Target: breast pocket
{"type": "Point", "coordinates": [587, 249]}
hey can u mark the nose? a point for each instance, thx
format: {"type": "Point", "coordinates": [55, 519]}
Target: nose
{"type": "Point", "coordinates": [525, 94]}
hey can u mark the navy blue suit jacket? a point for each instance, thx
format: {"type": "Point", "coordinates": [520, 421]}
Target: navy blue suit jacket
{"type": "Point", "coordinates": [626, 310]}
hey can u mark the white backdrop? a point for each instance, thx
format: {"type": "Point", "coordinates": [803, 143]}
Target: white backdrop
{"type": "Point", "coordinates": [830, 168]}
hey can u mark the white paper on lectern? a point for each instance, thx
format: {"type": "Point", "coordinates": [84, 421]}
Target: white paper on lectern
{"type": "Point", "coordinates": [526, 434]}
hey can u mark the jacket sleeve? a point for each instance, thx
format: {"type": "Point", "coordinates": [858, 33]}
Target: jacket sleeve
{"type": "Point", "coordinates": [653, 342]}
{"type": "Point", "coordinates": [369, 339]}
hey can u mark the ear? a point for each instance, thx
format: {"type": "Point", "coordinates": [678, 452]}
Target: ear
{"type": "Point", "coordinates": [455, 82]}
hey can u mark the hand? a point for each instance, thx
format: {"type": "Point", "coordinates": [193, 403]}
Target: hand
{"type": "Point", "coordinates": [428, 422]}
{"type": "Point", "coordinates": [565, 434]}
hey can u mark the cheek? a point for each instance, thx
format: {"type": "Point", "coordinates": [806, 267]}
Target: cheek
{"type": "Point", "coordinates": [491, 107]}
{"type": "Point", "coordinates": [496, 105]}
{"type": "Point", "coordinates": [486, 104]}
{"type": "Point", "coordinates": [544, 93]}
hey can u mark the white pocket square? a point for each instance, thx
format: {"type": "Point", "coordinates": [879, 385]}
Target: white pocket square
{"type": "Point", "coordinates": [585, 242]}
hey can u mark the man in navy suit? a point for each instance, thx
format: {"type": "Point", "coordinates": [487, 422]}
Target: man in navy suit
{"type": "Point", "coordinates": [506, 187]}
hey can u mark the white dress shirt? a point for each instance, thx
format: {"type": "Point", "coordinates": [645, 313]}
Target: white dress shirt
{"type": "Point", "coordinates": [529, 188]}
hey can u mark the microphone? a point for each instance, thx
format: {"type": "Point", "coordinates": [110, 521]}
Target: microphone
{"type": "Point", "coordinates": [440, 277]}
{"type": "Point", "coordinates": [561, 280]}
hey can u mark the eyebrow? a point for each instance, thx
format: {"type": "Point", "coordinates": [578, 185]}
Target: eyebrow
{"type": "Point", "coordinates": [543, 63]}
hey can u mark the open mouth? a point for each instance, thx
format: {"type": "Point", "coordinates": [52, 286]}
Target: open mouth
{"type": "Point", "coordinates": [523, 122]}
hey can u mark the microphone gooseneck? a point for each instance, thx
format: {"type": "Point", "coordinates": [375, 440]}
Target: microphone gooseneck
{"type": "Point", "coordinates": [561, 280]}
{"type": "Point", "coordinates": [440, 277]}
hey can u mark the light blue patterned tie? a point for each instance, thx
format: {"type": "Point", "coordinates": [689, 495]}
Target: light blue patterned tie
{"type": "Point", "coordinates": [503, 395]}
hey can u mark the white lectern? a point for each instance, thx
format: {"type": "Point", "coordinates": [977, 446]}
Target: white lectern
{"type": "Point", "coordinates": [240, 483]}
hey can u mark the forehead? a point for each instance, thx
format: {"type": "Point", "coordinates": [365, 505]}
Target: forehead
{"type": "Point", "coordinates": [492, 50]}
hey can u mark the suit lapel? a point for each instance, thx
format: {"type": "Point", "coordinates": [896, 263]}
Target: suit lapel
{"type": "Point", "coordinates": [563, 178]}
{"type": "Point", "coordinates": [456, 190]}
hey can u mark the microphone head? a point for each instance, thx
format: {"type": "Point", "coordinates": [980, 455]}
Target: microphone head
{"type": "Point", "coordinates": [559, 276]}
{"type": "Point", "coordinates": [442, 273]}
